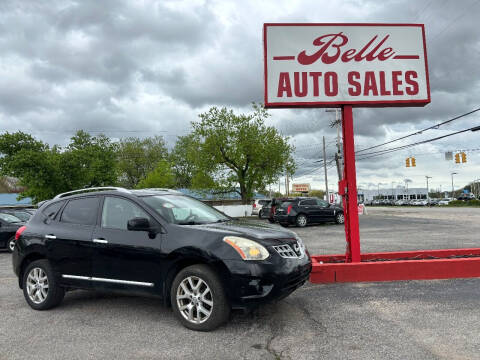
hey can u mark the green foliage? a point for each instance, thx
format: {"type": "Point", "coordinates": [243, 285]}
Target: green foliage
{"type": "Point", "coordinates": [138, 157]}
{"type": "Point", "coordinates": [317, 193]}
{"type": "Point", "coordinates": [44, 171]}
{"type": "Point", "coordinates": [460, 203]}
{"type": "Point", "coordinates": [161, 177]}
{"type": "Point", "coordinates": [183, 159]}
{"type": "Point", "coordinates": [238, 152]}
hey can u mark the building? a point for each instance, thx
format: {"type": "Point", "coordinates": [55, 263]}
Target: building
{"type": "Point", "coordinates": [11, 199]}
{"type": "Point", "coordinates": [399, 193]}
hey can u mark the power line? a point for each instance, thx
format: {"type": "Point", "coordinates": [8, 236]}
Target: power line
{"type": "Point", "coordinates": [386, 151]}
{"type": "Point", "coordinates": [420, 131]}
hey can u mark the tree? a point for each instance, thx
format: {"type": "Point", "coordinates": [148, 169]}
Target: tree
{"type": "Point", "coordinates": [137, 157]}
{"type": "Point", "coordinates": [183, 159]}
{"type": "Point", "coordinates": [238, 152]}
{"type": "Point", "coordinates": [44, 172]}
{"type": "Point", "coordinates": [161, 177]}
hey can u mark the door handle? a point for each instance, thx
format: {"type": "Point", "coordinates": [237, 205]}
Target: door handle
{"type": "Point", "coordinates": [100, 241]}
{"type": "Point", "coordinates": [49, 236]}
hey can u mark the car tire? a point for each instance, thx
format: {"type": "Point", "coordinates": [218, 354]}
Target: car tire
{"type": "Point", "coordinates": [199, 286]}
{"type": "Point", "coordinates": [340, 218]}
{"type": "Point", "coordinates": [11, 244]}
{"type": "Point", "coordinates": [260, 214]}
{"type": "Point", "coordinates": [301, 220]}
{"type": "Point", "coordinates": [40, 287]}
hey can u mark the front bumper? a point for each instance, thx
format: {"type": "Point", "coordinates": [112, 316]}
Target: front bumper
{"type": "Point", "coordinates": [252, 283]}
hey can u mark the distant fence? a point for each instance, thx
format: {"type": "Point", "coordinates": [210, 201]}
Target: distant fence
{"type": "Point", "coordinates": [235, 210]}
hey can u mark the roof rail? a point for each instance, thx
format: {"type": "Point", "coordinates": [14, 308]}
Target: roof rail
{"type": "Point", "coordinates": [100, 188]}
{"type": "Point", "coordinates": [160, 189]}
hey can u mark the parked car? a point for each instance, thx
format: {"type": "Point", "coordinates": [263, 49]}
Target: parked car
{"type": "Point", "coordinates": [200, 261]}
{"type": "Point", "coordinates": [444, 201]}
{"type": "Point", "coordinates": [466, 197]}
{"type": "Point", "coordinates": [271, 208]}
{"type": "Point", "coordinates": [22, 214]}
{"type": "Point", "coordinates": [257, 206]}
{"type": "Point", "coordinates": [9, 225]}
{"type": "Point", "coordinates": [264, 212]}
{"type": "Point", "coordinates": [419, 202]}
{"type": "Point", "coordinates": [303, 210]}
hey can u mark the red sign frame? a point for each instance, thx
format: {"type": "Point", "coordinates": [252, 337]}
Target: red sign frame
{"type": "Point", "coordinates": [379, 103]}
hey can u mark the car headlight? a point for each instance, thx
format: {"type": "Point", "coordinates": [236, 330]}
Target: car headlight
{"type": "Point", "coordinates": [246, 248]}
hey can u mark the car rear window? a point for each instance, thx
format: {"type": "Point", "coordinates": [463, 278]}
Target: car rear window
{"type": "Point", "coordinates": [81, 211]}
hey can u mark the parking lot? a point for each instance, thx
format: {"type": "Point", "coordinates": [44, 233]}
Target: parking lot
{"type": "Point", "coordinates": [397, 320]}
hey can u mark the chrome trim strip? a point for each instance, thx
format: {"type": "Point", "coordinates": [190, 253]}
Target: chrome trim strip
{"type": "Point", "coordinates": [115, 281]}
{"type": "Point", "coordinates": [127, 282]}
{"type": "Point", "coordinates": [75, 277]}
{"type": "Point", "coordinates": [100, 241]}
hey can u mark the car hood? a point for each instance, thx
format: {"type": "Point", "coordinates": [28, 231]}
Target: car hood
{"type": "Point", "coordinates": [250, 229]}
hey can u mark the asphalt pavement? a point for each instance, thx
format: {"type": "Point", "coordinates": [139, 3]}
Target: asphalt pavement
{"type": "Point", "coordinates": [396, 320]}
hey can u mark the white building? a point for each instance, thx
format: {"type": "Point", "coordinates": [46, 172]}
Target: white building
{"type": "Point", "coordinates": [398, 193]}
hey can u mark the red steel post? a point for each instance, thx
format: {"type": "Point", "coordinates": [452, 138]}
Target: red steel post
{"type": "Point", "coordinates": [350, 206]}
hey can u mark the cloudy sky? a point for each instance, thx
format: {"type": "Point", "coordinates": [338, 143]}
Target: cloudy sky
{"type": "Point", "coordinates": [150, 67]}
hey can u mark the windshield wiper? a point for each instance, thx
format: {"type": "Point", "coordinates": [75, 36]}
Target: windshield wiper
{"type": "Point", "coordinates": [189, 223]}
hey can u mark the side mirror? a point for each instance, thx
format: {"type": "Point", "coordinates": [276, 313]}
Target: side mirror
{"type": "Point", "coordinates": [138, 224]}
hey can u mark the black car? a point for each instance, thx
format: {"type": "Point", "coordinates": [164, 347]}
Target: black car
{"type": "Point", "coordinates": [9, 225]}
{"type": "Point", "coordinates": [272, 207]}
{"type": "Point", "coordinates": [22, 214]}
{"type": "Point", "coordinates": [302, 211]}
{"type": "Point", "coordinates": [160, 242]}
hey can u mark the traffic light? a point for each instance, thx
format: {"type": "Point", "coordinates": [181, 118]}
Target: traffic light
{"type": "Point", "coordinates": [464, 157]}
{"type": "Point", "coordinates": [413, 162]}
{"type": "Point", "coordinates": [457, 158]}
{"type": "Point", "coordinates": [407, 162]}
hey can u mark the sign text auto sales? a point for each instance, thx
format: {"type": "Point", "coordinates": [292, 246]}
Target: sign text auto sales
{"type": "Point", "coordinates": [309, 65]}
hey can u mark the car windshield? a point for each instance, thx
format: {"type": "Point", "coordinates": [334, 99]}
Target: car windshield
{"type": "Point", "coordinates": [184, 210]}
{"type": "Point", "coordinates": [9, 218]}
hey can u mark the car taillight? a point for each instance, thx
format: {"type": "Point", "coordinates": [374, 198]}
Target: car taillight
{"type": "Point", "coordinates": [254, 205]}
{"type": "Point", "coordinates": [19, 232]}
{"type": "Point", "coordinates": [289, 209]}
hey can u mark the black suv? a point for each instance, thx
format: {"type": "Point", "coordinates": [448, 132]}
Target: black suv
{"type": "Point", "coordinates": [302, 211]}
{"type": "Point", "coordinates": [156, 241]}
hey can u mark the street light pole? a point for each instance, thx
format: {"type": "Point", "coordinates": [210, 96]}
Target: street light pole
{"type": "Point", "coordinates": [428, 196]}
{"type": "Point", "coordinates": [453, 196]}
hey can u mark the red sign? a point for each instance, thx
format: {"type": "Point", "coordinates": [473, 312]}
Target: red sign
{"type": "Point", "coordinates": [345, 64]}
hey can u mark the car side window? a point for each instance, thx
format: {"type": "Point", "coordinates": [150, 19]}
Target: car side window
{"type": "Point", "coordinates": [117, 211]}
{"type": "Point", "coordinates": [308, 203]}
{"type": "Point", "coordinates": [51, 210]}
{"type": "Point", "coordinates": [81, 211]}
{"type": "Point", "coordinates": [322, 203]}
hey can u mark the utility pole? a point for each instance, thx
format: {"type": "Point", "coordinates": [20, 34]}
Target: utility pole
{"type": "Point", "coordinates": [338, 154]}
{"type": "Point", "coordinates": [453, 191]}
{"type": "Point", "coordinates": [325, 167]}
{"type": "Point", "coordinates": [428, 196]}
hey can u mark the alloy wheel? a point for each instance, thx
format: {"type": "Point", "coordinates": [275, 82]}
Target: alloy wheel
{"type": "Point", "coordinates": [302, 220]}
{"type": "Point", "coordinates": [37, 285]}
{"type": "Point", "coordinates": [11, 245]}
{"type": "Point", "coordinates": [194, 300]}
{"type": "Point", "coordinates": [340, 218]}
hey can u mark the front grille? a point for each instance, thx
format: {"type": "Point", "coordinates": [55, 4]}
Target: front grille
{"type": "Point", "coordinates": [297, 251]}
